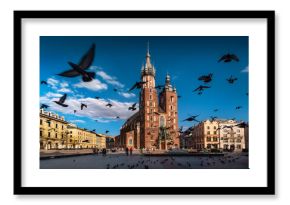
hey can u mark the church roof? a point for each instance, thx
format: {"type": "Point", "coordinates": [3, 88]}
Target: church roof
{"type": "Point", "coordinates": [133, 119]}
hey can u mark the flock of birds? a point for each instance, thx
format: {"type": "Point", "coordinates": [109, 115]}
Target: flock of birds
{"type": "Point", "coordinates": [81, 69]}
{"type": "Point", "coordinates": [140, 162]}
{"type": "Point", "coordinates": [206, 79]}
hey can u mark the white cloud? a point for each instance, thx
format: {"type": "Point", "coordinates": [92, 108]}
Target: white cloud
{"type": "Point", "coordinates": [94, 85]}
{"type": "Point", "coordinates": [63, 84]}
{"type": "Point", "coordinates": [110, 79]}
{"type": "Point", "coordinates": [245, 70]}
{"type": "Point", "coordinates": [52, 82]}
{"type": "Point", "coordinates": [96, 109]}
{"type": "Point", "coordinates": [77, 121]}
{"type": "Point", "coordinates": [102, 120]}
{"type": "Point", "coordinates": [127, 95]}
{"type": "Point", "coordinates": [50, 94]}
{"type": "Point", "coordinates": [64, 90]}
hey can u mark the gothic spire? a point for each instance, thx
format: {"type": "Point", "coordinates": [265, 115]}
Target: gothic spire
{"type": "Point", "coordinates": [148, 68]}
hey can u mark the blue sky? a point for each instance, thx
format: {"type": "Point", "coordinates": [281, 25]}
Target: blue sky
{"type": "Point", "coordinates": [118, 62]}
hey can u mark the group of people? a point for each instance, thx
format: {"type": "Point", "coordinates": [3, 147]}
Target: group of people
{"type": "Point", "coordinates": [103, 151]}
{"type": "Point", "coordinates": [129, 150]}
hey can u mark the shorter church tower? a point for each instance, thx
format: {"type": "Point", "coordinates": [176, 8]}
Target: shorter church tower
{"type": "Point", "coordinates": [168, 103]}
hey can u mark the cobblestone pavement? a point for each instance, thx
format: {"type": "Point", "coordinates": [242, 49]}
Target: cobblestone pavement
{"type": "Point", "coordinates": [138, 161]}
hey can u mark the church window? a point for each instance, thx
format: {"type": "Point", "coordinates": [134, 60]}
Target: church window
{"type": "Point", "coordinates": [147, 117]}
{"type": "Point", "coordinates": [150, 97]}
{"type": "Point", "coordinates": [147, 103]}
{"type": "Point", "coordinates": [171, 98]}
{"type": "Point", "coordinates": [150, 103]}
{"type": "Point", "coordinates": [154, 118]}
{"type": "Point", "coordinates": [171, 107]}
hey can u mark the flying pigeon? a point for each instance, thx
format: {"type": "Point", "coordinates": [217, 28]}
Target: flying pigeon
{"type": "Point", "coordinates": [43, 106]}
{"type": "Point", "coordinates": [215, 110]}
{"type": "Point", "coordinates": [213, 118]}
{"type": "Point", "coordinates": [61, 101]}
{"type": "Point", "coordinates": [192, 118]}
{"type": "Point", "coordinates": [180, 129]}
{"type": "Point", "coordinates": [75, 111]}
{"type": "Point", "coordinates": [228, 58]}
{"type": "Point", "coordinates": [83, 105]}
{"type": "Point", "coordinates": [231, 79]}
{"type": "Point", "coordinates": [206, 78]}
{"type": "Point", "coordinates": [179, 96]}
{"type": "Point", "coordinates": [115, 89]}
{"type": "Point", "coordinates": [238, 107]}
{"type": "Point", "coordinates": [132, 107]}
{"type": "Point", "coordinates": [107, 131]}
{"type": "Point", "coordinates": [79, 69]}
{"type": "Point", "coordinates": [97, 98]}
{"type": "Point", "coordinates": [43, 82]}
{"type": "Point", "coordinates": [137, 85]}
{"type": "Point", "coordinates": [109, 105]}
{"type": "Point", "coordinates": [201, 88]}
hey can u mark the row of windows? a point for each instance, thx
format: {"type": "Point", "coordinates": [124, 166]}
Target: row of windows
{"type": "Point", "coordinates": [49, 135]}
{"type": "Point", "coordinates": [225, 135]}
{"type": "Point", "coordinates": [208, 127]}
{"type": "Point", "coordinates": [214, 139]}
{"type": "Point", "coordinates": [49, 124]}
{"type": "Point", "coordinates": [214, 132]}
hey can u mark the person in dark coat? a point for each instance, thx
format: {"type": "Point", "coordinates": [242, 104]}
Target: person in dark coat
{"type": "Point", "coordinates": [127, 151]}
{"type": "Point", "coordinates": [104, 151]}
{"type": "Point", "coordinates": [131, 150]}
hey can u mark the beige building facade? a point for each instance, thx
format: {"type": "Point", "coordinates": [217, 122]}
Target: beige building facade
{"type": "Point", "coordinates": [80, 138]}
{"type": "Point", "coordinates": [56, 133]}
{"type": "Point", "coordinates": [206, 135]}
{"type": "Point", "coordinates": [53, 130]}
{"type": "Point", "coordinates": [232, 137]}
{"type": "Point", "coordinates": [217, 134]}
{"type": "Point", "coordinates": [101, 141]}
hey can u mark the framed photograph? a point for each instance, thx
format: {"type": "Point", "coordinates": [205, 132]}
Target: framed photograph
{"type": "Point", "coordinates": [144, 102]}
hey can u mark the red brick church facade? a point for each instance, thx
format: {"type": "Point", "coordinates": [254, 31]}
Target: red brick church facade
{"type": "Point", "coordinates": [155, 125]}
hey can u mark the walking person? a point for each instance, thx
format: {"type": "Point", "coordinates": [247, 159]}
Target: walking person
{"type": "Point", "coordinates": [127, 151]}
{"type": "Point", "coordinates": [131, 150]}
{"type": "Point", "coordinates": [104, 152]}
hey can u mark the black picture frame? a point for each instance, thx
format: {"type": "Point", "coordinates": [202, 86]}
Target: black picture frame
{"type": "Point", "coordinates": [268, 190]}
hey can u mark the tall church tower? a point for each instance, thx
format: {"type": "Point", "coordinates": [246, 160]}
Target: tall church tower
{"type": "Point", "coordinates": [168, 102]}
{"type": "Point", "coordinates": [148, 102]}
